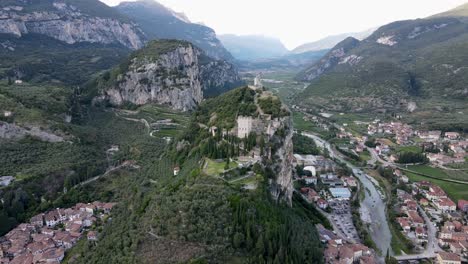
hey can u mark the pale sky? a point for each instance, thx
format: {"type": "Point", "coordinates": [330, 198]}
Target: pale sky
{"type": "Point", "coordinates": [299, 21]}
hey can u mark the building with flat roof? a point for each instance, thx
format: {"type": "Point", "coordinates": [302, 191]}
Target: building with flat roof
{"type": "Point", "coordinates": [340, 193]}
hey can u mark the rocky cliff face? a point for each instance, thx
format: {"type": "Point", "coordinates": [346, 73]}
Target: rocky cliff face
{"type": "Point", "coordinates": [173, 79]}
{"type": "Point", "coordinates": [68, 23]}
{"type": "Point", "coordinates": [282, 188]}
{"type": "Point", "coordinates": [168, 72]}
{"type": "Point", "coordinates": [218, 76]}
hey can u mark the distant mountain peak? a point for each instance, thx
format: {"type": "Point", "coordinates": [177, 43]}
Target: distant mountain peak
{"type": "Point", "coordinates": [330, 41]}
{"type": "Point", "coordinates": [253, 47]}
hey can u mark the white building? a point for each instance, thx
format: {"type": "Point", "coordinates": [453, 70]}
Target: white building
{"type": "Point", "coordinates": [310, 180]}
{"type": "Point", "coordinates": [311, 169]}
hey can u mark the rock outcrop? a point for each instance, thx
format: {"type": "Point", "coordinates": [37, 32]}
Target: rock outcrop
{"type": "Point", "coordinates": [334, 57]}
{"type": "Point", "coordinates": [282, 188]}
{"type": "Point", "coordinates": [14, 132]}
{"type": "Point", "coordinates": [167, 72]}
{"type": "Point", "coordinates": [67, 22]}
{"type": "Point", "coordinates": [218, 76]}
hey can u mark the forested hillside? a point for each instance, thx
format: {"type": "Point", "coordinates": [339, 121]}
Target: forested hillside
{"type": "Point", "coordinates": [199, 215]}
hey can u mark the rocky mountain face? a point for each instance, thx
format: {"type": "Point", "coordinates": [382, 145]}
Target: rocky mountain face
{"type": "Point", "coordinates": [160, 22]}
{"type": "Point", "coordinates": [167, 72]}
{"type": "Point", "coordinates": [253, 47]}
{"type": "Point", "coordinates": [70, 22]}
{"type": "Point", "coordinates": [218, 76]}
{"type": "Point", "coordinates": [282, 188]}
{"type": "Point", "coordinates": [333, 58]}
{"type": "Point", "coordinates": [400, 63]}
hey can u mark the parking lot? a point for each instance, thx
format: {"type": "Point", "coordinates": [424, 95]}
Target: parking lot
{"type": "Point", "coordinates": [341, 216]}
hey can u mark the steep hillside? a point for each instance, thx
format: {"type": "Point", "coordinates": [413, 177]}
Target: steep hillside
{"type": "Point", "coordinates": [397, 68]}
{"type": "Point", "coordinates": [159, 22]}
{"type": "Point", "coordinates": [69, 21]}
{"type": "Point", "coordinates": [169, 72]}
{"type": "Point", "coordinates": [253, 47]}
{"type": "Point", "coordinates": [63, 41]}
{"type": "Point", "coordinates": [333, 58]}
{"type": "Point", "coordinates": [204, 214]}
{"type": "Point", "coordinates": [37, 58]}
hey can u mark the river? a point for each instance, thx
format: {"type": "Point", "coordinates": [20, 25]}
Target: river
{"type": "Point", "coordinates": [373, 207]}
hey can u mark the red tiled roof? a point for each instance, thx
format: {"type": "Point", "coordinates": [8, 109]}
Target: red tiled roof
{"type": "Point", "coordinates": [449, 256]}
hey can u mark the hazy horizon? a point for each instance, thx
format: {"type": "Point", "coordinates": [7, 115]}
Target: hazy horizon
{"type": "Point", "coordinates": [301, 21]}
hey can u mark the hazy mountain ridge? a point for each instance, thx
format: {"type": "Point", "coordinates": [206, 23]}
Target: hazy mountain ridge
{"type": "Point", "coordinates": [253, 47]}
{"type": "Point", "coordinates": [331, 41]}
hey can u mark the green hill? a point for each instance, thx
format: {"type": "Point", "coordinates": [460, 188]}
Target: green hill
{"type": "Point", "coordinates": [423, 61]}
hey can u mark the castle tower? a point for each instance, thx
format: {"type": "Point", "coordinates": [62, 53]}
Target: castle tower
{"type": "Point", "coordinates": [244, 126]}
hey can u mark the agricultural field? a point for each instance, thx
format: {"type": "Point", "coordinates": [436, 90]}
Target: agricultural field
{"type": "Point", "coordinates": [455, 191]}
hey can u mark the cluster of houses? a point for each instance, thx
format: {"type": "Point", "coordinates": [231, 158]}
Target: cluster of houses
{"type": "Point", "coordinates": [450, 219]}
{"type": "Point", "coordinates": [455, 153]}
{"type": "Point", "coordinates": [412, 224]}
{"type": "Point", "coordinates": [435, 140]}
{"type": "Point", "coordinates": [339, 251]}
{"type": "Point", "coordinates": [333, 187]}
{"type": "Point", "coordinates": [436, 196]}
{"type": "Point", "coordinates": [402, 132]}
{"type": "Point", "coordinates": [47, 236]}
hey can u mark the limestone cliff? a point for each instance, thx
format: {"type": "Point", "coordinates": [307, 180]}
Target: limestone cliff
{"type": "Point", "coordinates": [218, 76]}
{"type": "Point", "coordinates": [167, 72]}
{"type": "Point", "coordinates": [70, 22]}
{"type": "Point", "coordinates": [281, 188]}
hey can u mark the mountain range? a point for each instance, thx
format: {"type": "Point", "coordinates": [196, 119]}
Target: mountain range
{"type": "Point", "coordinates": [399, 64]}
{"type": "Point", "coordinates": [37, 38]}
{"type": "Point", "coordinates": [253, 47]}
{"type": "Point", "coordinates": [330, 41]}
{"type": "Point", "coordinates": [160, 22]}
